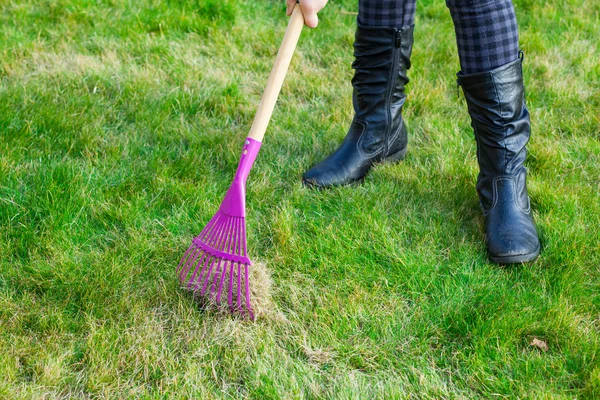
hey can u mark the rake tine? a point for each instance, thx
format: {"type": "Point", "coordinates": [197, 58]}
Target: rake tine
{"type": "Point", "coordinates": [216, 234]}
{"type": "Point", "coordinates": [247, 287]}
{"type": "Point", "coordinates": [236, 236]}
{"type": "Point", "coordinates": [225, 265]}
{"type": "Point", "coordinates": [215, 282]}
{"type": "Point", "coordinates": [188, 265]}
{"type": "Point", "coordinates": [239, 288]}
{"type": "Point", "coordinates": [235, 249]}
{"type": "Point", "coordinates": [208, 228]}
{"type": "Point", "coordinates": [228, 236]}
{"type": "Point", "coordinates": [214, 227]}
{"type": "Point", "coordinates": [221, 281]}
{"type": "Point", "coordinates": [206, 279]}
{"type": "Point", "coordinates": [230, 289]}
{"type": "Point", "coordinates": [231, 241]}
{"type": "Point", "coordinates": [205, 256]}
{"type": "Point", "coordinates": [217, 243]}
{"type": "Point", "coordinates": [184, 258]}
{"type": "Point", "coordinates": [220, 243]}
{"type": "Point", "coordinates": [199, 278]}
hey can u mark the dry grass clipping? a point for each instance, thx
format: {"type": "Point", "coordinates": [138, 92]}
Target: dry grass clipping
{"type": "Point", "coordinates": [261, 299]}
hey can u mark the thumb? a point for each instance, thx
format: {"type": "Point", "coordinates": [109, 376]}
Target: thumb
{"type": "Point", "coordinates": [310, 19]}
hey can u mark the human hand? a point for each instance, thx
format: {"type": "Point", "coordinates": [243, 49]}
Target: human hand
{"type": "Point", "coordinates": [310, 8]}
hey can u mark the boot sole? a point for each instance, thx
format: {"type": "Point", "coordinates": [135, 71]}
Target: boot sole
{"type": "Point", "coordinates": [396, 157]}
{"type": "Point", "coordinates": [516, 259]}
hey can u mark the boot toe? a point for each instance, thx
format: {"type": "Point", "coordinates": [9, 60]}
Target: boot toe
{"type": "Point", "coordinates": [322, 177]}
{"type": "Point", "coordinates": [317, 177]}
{"type": "Point", "coordinates": [311, 180]}
{"type": "Point", "coordinates": [510, 247]}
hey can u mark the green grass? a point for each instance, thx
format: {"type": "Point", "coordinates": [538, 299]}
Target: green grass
{"type": "Point", "coordinates": [120, 128]}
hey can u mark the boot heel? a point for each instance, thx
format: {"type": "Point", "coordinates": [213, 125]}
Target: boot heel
{"type": "Point", "coordinates": [398, 156]}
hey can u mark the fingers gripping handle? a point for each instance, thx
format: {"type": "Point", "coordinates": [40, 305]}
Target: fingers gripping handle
{"type": "Point", "coordinates": [282, 62]}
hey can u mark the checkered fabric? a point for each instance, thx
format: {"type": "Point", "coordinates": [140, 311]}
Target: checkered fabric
{"type": "Point", "coordinates": [486, 30]}
{"type": "Point", "coordinates": [391, 13]}
{"type": "Point", "coordinates": [486, 33]}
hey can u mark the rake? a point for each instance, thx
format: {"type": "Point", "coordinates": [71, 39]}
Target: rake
{"type": "Point", "coordinates": [217, 261]}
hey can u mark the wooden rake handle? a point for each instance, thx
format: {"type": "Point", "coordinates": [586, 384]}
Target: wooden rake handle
{"type": "Point", "coordinates": [282, 62]}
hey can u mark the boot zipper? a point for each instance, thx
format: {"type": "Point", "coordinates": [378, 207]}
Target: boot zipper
{"type": "Point", "coordinates": [397, 44]}
{"type": "Point", "coordinates": [398, 38]}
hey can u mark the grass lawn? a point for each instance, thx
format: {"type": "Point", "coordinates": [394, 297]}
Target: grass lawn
{"type": "Point", "coordinates": [121, 124]}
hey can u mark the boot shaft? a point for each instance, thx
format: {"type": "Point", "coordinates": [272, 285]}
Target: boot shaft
{"type": "Point", "coordinates": [500, 120]}
{"type": "Point", "coordinates": [382, 59]}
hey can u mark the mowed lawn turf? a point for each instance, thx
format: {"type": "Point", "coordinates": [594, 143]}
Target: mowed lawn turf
{"type": "Point", "coordinates": [121, 124]}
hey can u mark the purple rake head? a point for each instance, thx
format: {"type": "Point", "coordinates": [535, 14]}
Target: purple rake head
{"type": "Point", "coordinates": [217, 263]}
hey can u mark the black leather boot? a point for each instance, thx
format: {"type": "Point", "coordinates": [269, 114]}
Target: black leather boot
{"type": "Point", "coordinates": [501, 123]}
{"type": "Point", "coordinates": [377, 132]}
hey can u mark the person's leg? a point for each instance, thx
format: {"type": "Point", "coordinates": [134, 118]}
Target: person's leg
{"type": "Point", "coordinates": [388, 13]}
{"type": "Point", "coordinates": [487, 35]}
{"type": "Point", "coordinates": [382, 49]}
{"type": "Point", "coordinates": [492, 80]}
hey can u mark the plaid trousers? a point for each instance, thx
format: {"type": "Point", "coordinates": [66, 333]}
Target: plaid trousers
{"type": "Point", "coordinates": [486, 30]}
